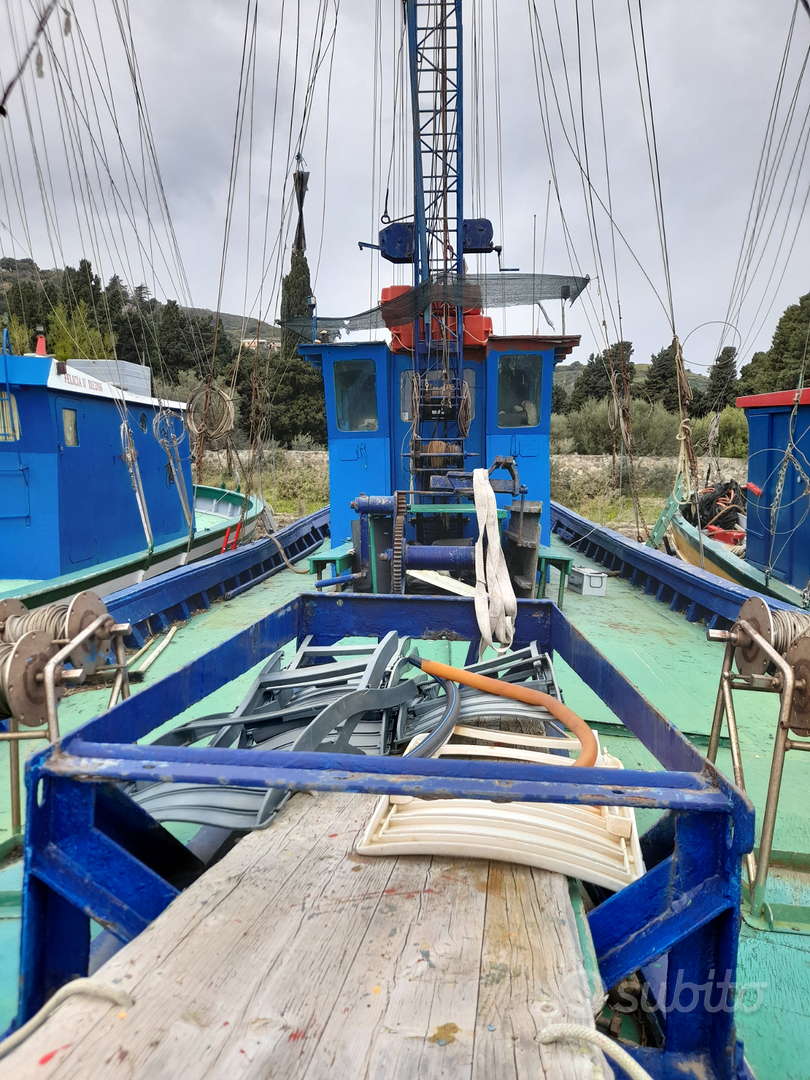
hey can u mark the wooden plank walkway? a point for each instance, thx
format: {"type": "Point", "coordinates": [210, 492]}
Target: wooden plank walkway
{"type": "Point", "coordinates": [297, 958]}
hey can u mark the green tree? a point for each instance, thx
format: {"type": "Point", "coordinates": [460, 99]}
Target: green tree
{"type": "Point", "coordinates": [559, 399]}
{"type": "Point", "coordinates": [81, 286]}
{"type": "Point", "coordinates": [780, 367]}
{"type": "Point", "coordinates": [31, 304]}
{"type": "Point", "coordinates": [20, 336]}
{"type": "Point", "coordinates": [655, 431]}
{"type": "Point", "coordinates": [732, 436]}
{"type": "Point", "coordinates": [662, 381]}
{"type": "Point", "coordinates": [722, 388]}
{"type": "Point", "coordinates": [76, 335]}
{"type": "Point", "coordinates": [135, 325]}
{"type": "Point", "coordinates": [295, 398]}
{"type": "Point", "coordinates": [593, 383]}
{"type": "Point", "coordinates": [175, 343]}
{"type": "Point", "coordinates": [295, 293]}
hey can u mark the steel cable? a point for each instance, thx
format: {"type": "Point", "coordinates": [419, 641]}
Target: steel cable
{"type": "Point", "coordinates": [5, 655]}
{"type": "Point", "coordinates": [52, 620]}
{"type": "Point", "coordinates": [788, 627]}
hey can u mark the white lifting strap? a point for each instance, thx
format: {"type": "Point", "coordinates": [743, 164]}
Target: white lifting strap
{"type": "Point", "coordinates": [495, 604]}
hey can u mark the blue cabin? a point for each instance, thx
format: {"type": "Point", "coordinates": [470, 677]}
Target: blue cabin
{"type": "Point", "coordinates": [369, 412]}
{"type": "Point", "coordinates": [784, 553]}
{"type": "Point", "coordinates": [67, 499]}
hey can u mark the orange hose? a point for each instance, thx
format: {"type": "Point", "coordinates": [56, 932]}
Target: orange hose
{"type": "Point", "coordinates": [590, 747]}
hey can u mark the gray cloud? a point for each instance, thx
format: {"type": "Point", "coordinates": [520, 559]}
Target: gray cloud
{"type": "Point", "coordinates": [712, 68]}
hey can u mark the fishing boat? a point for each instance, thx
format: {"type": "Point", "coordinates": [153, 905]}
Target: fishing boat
{"type": "Point", "coordinates": [93, 427]}
{"type": "Point", "coordinates": [766, 547]}
{"type": "Point", "coordinates": [508, 901]}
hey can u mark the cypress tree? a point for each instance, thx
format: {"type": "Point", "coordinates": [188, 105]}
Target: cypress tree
{"type": "Point", "coordinates": [295, 294]}
{"type": "Point", "coordinates": [662, 380]}
{"type": "Point", "coordinates": [722, 388]}
{"type": "Point", "coordinates": [295, 391]}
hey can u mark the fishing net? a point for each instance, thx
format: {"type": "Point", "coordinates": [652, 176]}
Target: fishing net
{"type": "Point", "coordinates": [470, 291]}
{"type": "Point", "coordinates": [718, 505]}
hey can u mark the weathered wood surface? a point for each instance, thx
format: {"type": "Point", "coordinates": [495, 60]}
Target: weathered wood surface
{"type": "Point", "coordinates": [299, 959]}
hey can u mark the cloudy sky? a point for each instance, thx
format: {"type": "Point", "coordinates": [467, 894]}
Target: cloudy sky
{"type": "Point", "coordinates": [76, 172]}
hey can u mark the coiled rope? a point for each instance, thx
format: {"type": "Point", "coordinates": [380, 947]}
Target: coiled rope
{"type": "Point", "coordinates": [438, 453]}
{"type": "Point", "coordinates": [788, 627]}
{"type": "Point", "coordinates": [210, 414]}
{"type": "Point", "coordinates": [52, 620]}
{"type": "Point", "coordinates": [5, 655]}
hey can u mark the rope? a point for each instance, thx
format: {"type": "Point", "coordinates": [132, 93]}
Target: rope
{"type": "Point", "coordinates": [46, 14]}
{"type": "Point", "coordinates": [442, 450]}
{"type": "Point", "coordinates": [88, 987]}
{"type": "Point", "coordinates": [464, 411]}
{"type": "Point", "coordinates": [495, 603]}
{"type": "Point", "coordinates": [5, 654]}
{"type": "Point", "coordinates": [284, 557]}
{"type": "Point", "coordinates": [51, 619]}
{"type": "Point", "coordinates": [558, 1032]}
{"type": "Point", "coordinates": [788, 627]}
{"type": "Point", "coordinates": [213, 424]}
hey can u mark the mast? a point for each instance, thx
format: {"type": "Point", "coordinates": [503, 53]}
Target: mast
{"type": "Point", "coordinates": [436, 64]}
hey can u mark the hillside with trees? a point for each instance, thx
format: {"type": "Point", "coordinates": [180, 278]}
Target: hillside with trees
{"type": "Point", "coordinates": [83, 319]}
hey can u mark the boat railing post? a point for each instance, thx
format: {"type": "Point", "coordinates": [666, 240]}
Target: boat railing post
{"type": "Point", "coordinates": [14, 780]}
{"type": "Point", "coordinates": [719, 705]}
{"type": "Point", "coordinates": [13, 737]}
{"type": "Point", "coordinates": [121, 683]}
{"type": "Point", "coordinates": [777, 764]}
{"type": "Point", "coordinates": [49, 674]}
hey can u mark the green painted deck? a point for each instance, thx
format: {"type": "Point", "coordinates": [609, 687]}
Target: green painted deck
{"type": "Point", "coordinates": [677, 669]}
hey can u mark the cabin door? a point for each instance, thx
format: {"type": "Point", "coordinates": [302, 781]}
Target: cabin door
{"type": "Point", "coordinates": [514, 406]}
{"type": "Point", "coordinates": [519, 407]}
{"type": "Point", "coordinates": [77, 489]}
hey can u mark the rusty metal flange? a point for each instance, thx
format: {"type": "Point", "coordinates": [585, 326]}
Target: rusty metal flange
{"type": "Point", "coordinates": [25, 687]}
{"type": "Point", "coordinates": [84, 609]}
{"type": "Point", "coordinates": [749, 658]}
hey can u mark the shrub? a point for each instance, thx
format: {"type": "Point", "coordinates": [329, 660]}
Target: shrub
{"type": "Point", "coordinates": [305, 441]}
{"type": "Point", "coordinates": [560, 440]}
{"type": "Point", "coordinates": [732, 440]}
{"type": "Point", "coordinates": [700, 433]}
{"type": "Point", "coordinates": [655, 431]}
{"type": "Point", "coordinates": [589, 428]}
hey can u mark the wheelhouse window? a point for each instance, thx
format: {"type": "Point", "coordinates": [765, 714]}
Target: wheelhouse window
{"type": "Point", "coordinates": [70, 427]}
{"type": "Point", "coordinates": [356, 395]}
{"type": "Point", "coordinates": [9, 418]}
{"type": "Point", "coordinates": [520, 380]}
